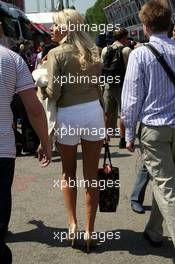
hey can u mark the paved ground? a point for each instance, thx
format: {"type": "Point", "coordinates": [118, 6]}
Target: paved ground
{"type": "Point", "coordinates": [38, 212]}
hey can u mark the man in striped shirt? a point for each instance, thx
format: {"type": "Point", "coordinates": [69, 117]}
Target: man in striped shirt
{"type": "Point", "coordinates": [16, 78]}
{"type": "Point", "coordinates": [149, 97]}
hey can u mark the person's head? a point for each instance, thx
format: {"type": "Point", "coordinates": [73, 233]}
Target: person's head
{"type": "Point", "coordinates": [27, 45]}
{"type": "Point", "coordinates": [121, 35]}
{"type": "Point", "coordinates": [67, 28]}
{"type": "Point", "coordinates": [131, 43]}
{"type": "Point", "coordinates": [24, 46]}
{"type": "Point", "coordinates": [155, 16]}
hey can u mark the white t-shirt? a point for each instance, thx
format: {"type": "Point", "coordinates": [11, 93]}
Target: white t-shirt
{"type": "Point", "coordinates": [14, 77]}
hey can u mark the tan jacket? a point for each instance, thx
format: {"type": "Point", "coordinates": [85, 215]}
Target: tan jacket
{"type": "Point", "coordinates": [79, 86]}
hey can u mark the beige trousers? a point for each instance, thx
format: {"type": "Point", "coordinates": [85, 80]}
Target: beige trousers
{"type": "Point", "coordinates": [158, 150]}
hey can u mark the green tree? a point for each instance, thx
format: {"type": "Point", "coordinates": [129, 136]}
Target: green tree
{"type": "Point", "coordinates": [96, 14]}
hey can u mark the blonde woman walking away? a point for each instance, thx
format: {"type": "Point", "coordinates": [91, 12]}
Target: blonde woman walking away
{"type": "Point", "coordinates": [73, 72]}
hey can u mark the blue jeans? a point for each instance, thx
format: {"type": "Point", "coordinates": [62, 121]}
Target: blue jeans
{"type": "Point", "coordinates": [141, 183]}
{"type": "Point", "coordinates": [7, 166]}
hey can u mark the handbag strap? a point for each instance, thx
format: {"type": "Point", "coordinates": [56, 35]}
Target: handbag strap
{"type": "Point", "coordinates": [162, 61]}
{"type": "Point", "coordinates": [107, 155]}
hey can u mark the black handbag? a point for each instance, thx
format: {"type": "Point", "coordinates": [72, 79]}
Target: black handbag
{"type": "Point", "coordinates": [109, 184]}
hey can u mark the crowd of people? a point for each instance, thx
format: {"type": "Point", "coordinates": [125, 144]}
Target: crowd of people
{"type": "Point", "coordinates": [137, 86]}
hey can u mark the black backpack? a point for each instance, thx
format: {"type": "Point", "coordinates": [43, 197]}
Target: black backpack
{"type": "Point", "coordinates": [114, 64]}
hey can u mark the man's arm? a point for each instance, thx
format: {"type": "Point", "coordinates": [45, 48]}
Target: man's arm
{"type": "Point", "coordinates": [132, 98]}
{"type": "Point", "coordinates": [25, 88]}
{"type": "Point", "coordinates": [38, 121]}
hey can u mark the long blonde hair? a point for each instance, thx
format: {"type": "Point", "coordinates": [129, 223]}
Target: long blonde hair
{"type": "Point", "coordinates": [71, 20]}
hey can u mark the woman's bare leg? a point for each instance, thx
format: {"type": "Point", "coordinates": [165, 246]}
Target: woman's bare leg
{"type": "Point", "coordinates": [69, 164]}
{"type": "Point", "coordinates": [91, 154]}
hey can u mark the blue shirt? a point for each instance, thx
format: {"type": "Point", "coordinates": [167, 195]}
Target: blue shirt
{"type": "Point", "coordinates": [148, 94]}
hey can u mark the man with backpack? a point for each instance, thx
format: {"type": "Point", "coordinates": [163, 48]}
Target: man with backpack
{"type": "Point", "coordinates": [115, 59]}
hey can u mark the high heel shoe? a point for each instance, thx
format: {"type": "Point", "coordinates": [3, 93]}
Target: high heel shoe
{"type": "Point", "coordinates": [72, 234]}
{"type": "Point", "coordinates": [88, 241]}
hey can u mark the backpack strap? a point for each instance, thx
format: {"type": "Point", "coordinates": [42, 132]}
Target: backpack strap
{"type": "Point", "coordinates": [170, 72]}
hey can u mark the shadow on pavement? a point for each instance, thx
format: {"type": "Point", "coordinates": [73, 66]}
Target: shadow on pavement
{"type": "Point", "coordinates": [120, 240]}
{"type": "Point", "coordinates": [41, 234]}
{"type": "Point", "coordinates": [113, 155]}
{"type": "Point", "coordinates": [134, 243]}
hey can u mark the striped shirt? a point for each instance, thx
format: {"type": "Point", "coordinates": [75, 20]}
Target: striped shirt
{"type": "Point", "coordinates": [148, 94]}
{"type": "Point", "coordinates": [14, 77]}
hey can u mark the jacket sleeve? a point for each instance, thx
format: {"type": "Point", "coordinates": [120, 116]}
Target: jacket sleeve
{"type": "Point", "coordinates": [53, 89]}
